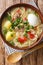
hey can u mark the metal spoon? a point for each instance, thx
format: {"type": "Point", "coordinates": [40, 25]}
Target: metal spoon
{"type": "Point", "coordinates": [15, 57]}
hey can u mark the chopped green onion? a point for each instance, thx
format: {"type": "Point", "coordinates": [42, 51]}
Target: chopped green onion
{"type": "Point", "coordinates": [28, 28]}
{"type": "Point", "coordinates": [12, 43]}
{"type": "Point", "coordinates": [36, 14]}
{"type": "Point", "coordinates": [26, 23]}
{"type": "Point", "coordinates": [11, 35]}
{"type": "Point", "coordinates": [16, 22]}
{"type": "Point", "coordinates": [9, 17]}
{"type": "Point", "coordinates": [20, 25]}
{"type": "Point", "coordinates": [31, 27]}
{"type": "Point", "coordinates": [10, 29]}
{"type": "Point", "coordinates": [25, 34]}
{"type": "Point", "coordinates": [4, 31]}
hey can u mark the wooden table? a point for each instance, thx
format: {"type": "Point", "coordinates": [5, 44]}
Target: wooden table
{"type": "Point", "coordinates": [35, 58]}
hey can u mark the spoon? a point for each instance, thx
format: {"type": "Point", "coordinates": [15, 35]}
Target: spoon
{"type": "Point", "coordinates": [16, 56]}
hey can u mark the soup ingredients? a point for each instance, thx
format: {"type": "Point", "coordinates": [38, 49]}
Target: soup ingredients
{"type": "Point", "coordinates": [12, 43]}
{"type": "Point", "coordinates": [16, 22]}
{"type": "Point", "coordinates": [8, 16]}
{"type": "Point", "coordinates": [4, 31]}
{"type": "Point", "coordinates": [22, 27]}
{"type": "Point", "coordinates": [7, 24]}
{"type": "Point", "coordinates": [18, 11]}
{"type": "Point", "coordinates": [22, 39]}
{"type": "Point", "coordinates": [31, 35]}
{"type": "Point", "coordinates": [33, 19]}
{"type": "Point", "coordinates": [10, 35]}
{"type": "Point", "coordinates": [28, 27]}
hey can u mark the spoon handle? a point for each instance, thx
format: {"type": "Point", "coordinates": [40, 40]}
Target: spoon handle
{"type": "Point", "coordinates": [33, 49]}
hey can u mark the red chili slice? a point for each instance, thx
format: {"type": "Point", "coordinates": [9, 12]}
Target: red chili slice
{"type": "Point", "coordinates": [29, 32]}
{"type": "Point", "coordinates": [25, 18]}
{"type": "Point", "coordinates": [31, 35]}
{"type": "Point", "coordinates": [22, 40]}
{"type": "Point", "coordinates": [18, 10]}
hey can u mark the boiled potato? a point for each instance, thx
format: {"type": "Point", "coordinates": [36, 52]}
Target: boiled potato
{"type": "Point", "coordinates": [10, 35]}
{"type": "Point", "coordinates": [7, 24]}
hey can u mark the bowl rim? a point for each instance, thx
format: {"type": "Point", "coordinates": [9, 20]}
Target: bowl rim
{"type": "Point", "coordinates": [20, 5]}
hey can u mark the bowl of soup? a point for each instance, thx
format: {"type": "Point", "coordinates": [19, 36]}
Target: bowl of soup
{"type": "Point", "coordinates": [21, 26]}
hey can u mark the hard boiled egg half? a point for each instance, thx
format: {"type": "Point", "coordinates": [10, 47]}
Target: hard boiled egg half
{"type": "Point", "coordinates": [33, 19]}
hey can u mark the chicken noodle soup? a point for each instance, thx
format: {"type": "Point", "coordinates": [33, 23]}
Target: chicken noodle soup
{"type": "Point", "coordinates": [21, 27]}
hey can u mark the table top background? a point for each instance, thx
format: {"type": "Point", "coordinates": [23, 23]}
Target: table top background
{"type": "Point", "coordinates": [35, 58]}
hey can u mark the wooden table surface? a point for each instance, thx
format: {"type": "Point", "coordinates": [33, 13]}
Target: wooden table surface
{"type": "Point", "coordinates": [35, 58]}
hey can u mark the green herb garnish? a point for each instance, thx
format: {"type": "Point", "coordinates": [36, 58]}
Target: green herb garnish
{"type": "Point", "coordinates": [10, 29]}
{"type": "Point", "coordinates": [25, 34]}
{"type": "Point", "coordinates": [28, 28]}
{"type": "Point", "coordinates": [36, 14]}
{"type": "Point", "coordinates": [12, 43]}
{"type": "Point", "coordinates": [31, 27]}
{"type": "Point", "coordinates": [8, 16]}
{"type": "Point", "coordinates": [20, 25]}
{"type": "Point", "coordinates": [26, 23]}
{"type": "Point", "coordinates": [16, 22]}
{"type": "Point", "coordinates": [4, 31]}
{"type": "Point", "coordinates": [11, 35]}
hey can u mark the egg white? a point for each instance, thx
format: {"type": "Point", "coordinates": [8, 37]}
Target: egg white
{"type": "Point", "coordinates": [33, 19]}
